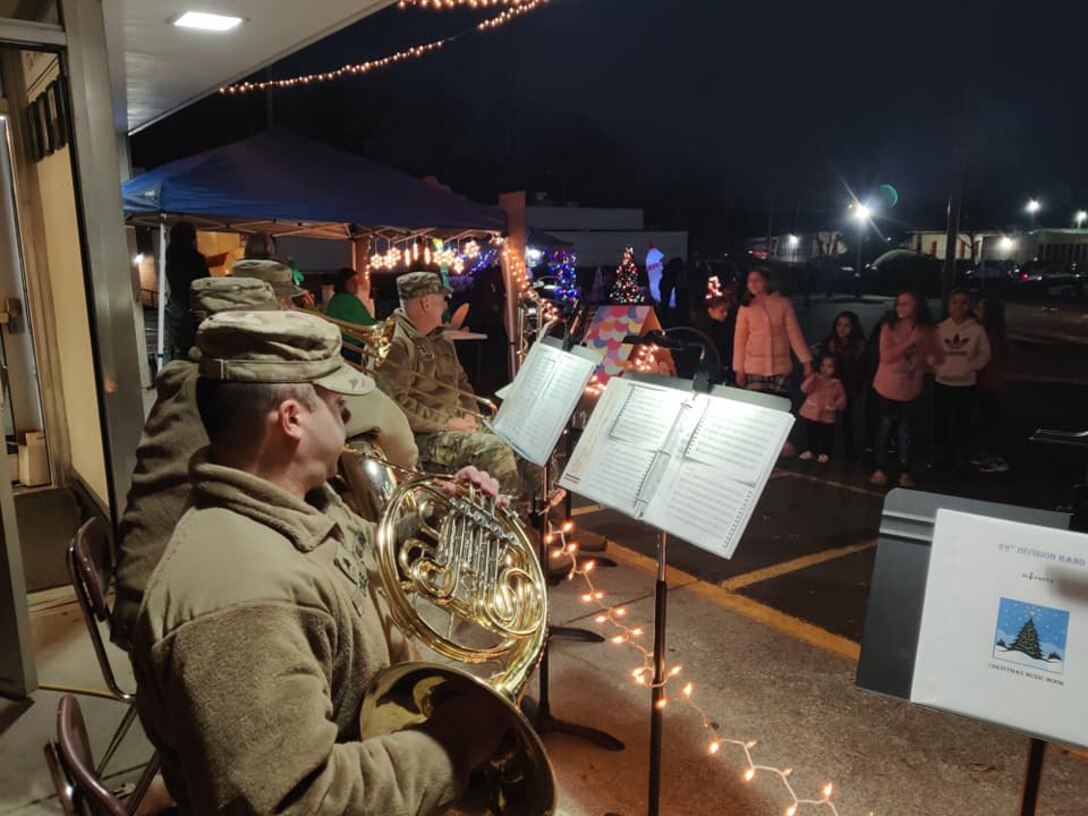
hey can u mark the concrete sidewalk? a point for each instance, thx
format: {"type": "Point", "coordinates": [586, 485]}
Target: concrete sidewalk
{"type": "Point", "coordinates": [796, 700]}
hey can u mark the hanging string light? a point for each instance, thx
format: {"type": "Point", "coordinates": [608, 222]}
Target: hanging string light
{"type": "Point", "coordinates": [624, 633]}
{"type": "Point", "coordinates": [443, 5]}
{"type": "Point", "coordinates": [369, 66]}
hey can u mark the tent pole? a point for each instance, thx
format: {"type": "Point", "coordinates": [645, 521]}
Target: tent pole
{"type": "Point", "coordinates": [161, 346]}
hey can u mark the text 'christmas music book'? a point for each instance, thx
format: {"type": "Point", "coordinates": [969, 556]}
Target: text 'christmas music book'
{"type": "Point", "coordinates": [537, 405]}
{"type": "Point", "coordinates": [693, 465]}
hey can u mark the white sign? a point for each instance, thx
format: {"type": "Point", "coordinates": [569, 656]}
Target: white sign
{"type": "Point", "coordinates": [1004, 634]}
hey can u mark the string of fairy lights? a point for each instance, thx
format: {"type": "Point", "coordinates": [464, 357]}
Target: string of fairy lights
{"type": "Point", "coordinates": [511, 10]}
{"type": "Point", "coordinates": [614, 618]}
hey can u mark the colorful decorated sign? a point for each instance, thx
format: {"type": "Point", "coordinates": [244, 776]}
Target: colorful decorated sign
{"type": "Point", "coordinates": [611, 324]}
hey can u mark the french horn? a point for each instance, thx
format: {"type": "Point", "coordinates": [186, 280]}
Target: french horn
{"type": "Point", "coordinates": [462, 579]}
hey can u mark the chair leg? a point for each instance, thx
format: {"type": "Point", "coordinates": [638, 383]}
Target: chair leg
{"type": "Point", "coordinates": [118, 738]}
{"type": "Point", "coordinates": [142, 786]}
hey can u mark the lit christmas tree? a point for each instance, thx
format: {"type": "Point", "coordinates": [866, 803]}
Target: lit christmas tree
{"type": "Point", "coordinates": [1028, 641]}
{"type": "Point", "coordinates": [562, 265]}
{"type": "Point", "coordinates": [713, 287]}
{"type": "Point", "coordinates": [626, 289]}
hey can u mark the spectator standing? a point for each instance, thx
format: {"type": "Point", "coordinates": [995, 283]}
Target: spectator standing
{"type": "Point", "coordinates": [966, 351]}
{"type": "Point", "coordinates": [991, 390]}
{"type": "Point", "coordinates": [907, 342]}
{"type": "Point", "coordinates": [825, 398]}
{"type": "Point", "coordinates": [184, 264]}
{"type": "Point", "coordinates": [767, 330]}
{"type": "Point", "coordinates": [846, 343]}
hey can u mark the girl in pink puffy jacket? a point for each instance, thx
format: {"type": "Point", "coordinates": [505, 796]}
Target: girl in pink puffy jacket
{"type": "Point", "coordinates": [824, 401]}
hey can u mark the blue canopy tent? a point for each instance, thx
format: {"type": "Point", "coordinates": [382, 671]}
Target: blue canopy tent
{"type": "Point", "coordinates": [285, 184]}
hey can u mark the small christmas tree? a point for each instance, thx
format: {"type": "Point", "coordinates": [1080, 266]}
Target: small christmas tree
{"type": "Point", "coordinates": [563, 265]}
{"type": "Point", "coordinates": [626, 288]}
{"type": "Point", "coordinates": [1028, 641]}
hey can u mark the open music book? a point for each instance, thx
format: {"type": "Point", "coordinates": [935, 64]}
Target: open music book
{"type": "Point", "coordinates": [693, 465]}
{"type": "Point", "coordinates": [538, 403]}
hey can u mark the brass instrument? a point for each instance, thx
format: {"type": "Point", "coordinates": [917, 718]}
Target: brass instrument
{"type": "Point", "coordinates": [376, 342]}
{"type": "Point", "coordinates": [468, 586]}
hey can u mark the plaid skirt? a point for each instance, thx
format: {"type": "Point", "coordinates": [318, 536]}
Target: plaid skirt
{"type": "Point", "coordinates": [777, 384]}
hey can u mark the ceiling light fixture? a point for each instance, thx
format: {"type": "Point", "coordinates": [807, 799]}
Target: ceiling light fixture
{"type": "Point", "coordinates": [207, 22]}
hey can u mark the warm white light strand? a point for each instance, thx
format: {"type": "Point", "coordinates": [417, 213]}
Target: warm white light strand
{"type": "Point", "coordinates": [612, 616]}
{"type": "Point", "coordinates": [359, 68]}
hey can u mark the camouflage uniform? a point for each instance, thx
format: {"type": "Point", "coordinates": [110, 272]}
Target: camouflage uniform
{"type": "Point", "coordinates": [260, 629]}
{"type": "Point", "coordinates": [423, 375]}
{"type": "Point", "coordinates": [173, 433]}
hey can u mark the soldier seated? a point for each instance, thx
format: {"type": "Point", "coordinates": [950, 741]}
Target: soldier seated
{"type": "Point", "coordinates": [173, 433]}
{"type": "Point", "coordinates": [424, 376]}
{"type": "Point", "coordinates": [260, 629]}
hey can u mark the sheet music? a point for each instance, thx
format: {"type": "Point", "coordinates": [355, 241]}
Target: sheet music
{"type": "Point", "coordinates": [647, 416]}
{"type": "Point", "coordinates": [542, 398]}
{"type": "Point", "coordinates": [738, 439]}
{"type": "Point", "coordinates": [692, 465]}
{"type": "Point", "coordinates": [697, 505]}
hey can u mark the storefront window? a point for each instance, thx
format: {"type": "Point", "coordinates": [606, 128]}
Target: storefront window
{"type": "Point", "coordinates": [36, 11]}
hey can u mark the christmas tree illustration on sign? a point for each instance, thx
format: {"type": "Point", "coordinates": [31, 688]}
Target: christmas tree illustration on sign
{"type": "Point", "coordinates": [1031, 635]}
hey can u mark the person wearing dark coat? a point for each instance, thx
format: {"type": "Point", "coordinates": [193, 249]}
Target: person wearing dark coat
{"type": "Point", "coordinates": [184, 264]}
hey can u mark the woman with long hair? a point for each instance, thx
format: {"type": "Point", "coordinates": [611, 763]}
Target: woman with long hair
{"type": "Point", "coordinates": [767, 330]}
{"type": "Point", "coordinates": [908, 342]}
{"type": "Point", "coordinates": [846, 343]}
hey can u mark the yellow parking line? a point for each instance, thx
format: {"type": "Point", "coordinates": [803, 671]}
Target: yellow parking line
{"type": "Point", "coordinates": [586, 509]}
{"type": "Point", "coordinates": [786, 567]}
{"type": "Point", "coordinates": [865, 491]}
{"type": "Point", "coordinates": [753, 610]}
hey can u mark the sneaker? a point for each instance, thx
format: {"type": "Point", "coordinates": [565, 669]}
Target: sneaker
{"type": "Point", "coordinates": [996, 465]}
{"type": "Point", "coordinates": [806, 456]}
{"type": "Point", "coordinates": [879, 478]}
{"type": "Point", "coordinates": [823, 458]}
{"type": "Point", "coordinates": [905, 480]}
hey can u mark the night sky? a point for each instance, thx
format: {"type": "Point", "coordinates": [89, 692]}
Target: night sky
{"type": "Point", "coordinates": [706, 111]}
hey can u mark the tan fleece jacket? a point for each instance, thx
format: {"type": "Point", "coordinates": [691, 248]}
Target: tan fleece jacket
{"type": "Point", "coordinates": [254, 644]}
{"type": "Point", "coordinates": [160, 481]}
{"type": "Point", "coordinates": [421, 374]}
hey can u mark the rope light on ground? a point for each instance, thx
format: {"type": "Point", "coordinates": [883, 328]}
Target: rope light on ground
{"type": "Point", "coordinates": [625, 634]}
{"type": "Point", "coordinates": [511, 11]}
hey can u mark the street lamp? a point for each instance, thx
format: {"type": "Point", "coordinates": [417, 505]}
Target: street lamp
{"type": "Point", "coordinates": [1033, 206]}
{"type": "Point", "coordinates": [862, 213]}
{"type": "Point", "coordinates": [1080, 218]}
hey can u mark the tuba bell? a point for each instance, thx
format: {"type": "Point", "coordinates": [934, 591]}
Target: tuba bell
{"type": "Point", "coordinates": [468, 586]}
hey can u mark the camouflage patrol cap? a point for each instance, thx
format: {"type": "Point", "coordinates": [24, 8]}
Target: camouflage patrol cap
{"type": "Point", "coordinates": [208, 296]}
{"type": "Point", "coordinates": [419, 284]}
{"type": "Point", "coordinates": [276, 347]}
{"type": "Point", "coordinates": [271, 271]}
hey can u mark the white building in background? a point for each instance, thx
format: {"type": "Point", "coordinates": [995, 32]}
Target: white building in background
{"type": "Point", "coordinates": [969, 245]}
{"type": "Point", "coordinates": [599, 235]}
{"type": "Point", "coordinates": [1060, 246]}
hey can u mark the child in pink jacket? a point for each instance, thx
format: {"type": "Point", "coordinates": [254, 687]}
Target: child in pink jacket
{"type": "Point", "coordinates": [825, 399]}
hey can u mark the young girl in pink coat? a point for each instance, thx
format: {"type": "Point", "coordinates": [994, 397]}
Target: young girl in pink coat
{"type": "Point", "coordinates": [825, 399]}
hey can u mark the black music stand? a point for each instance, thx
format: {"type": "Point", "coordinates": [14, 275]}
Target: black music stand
{"type": "Point", "coordinates": [540, 712]}
{"type": "Point", "coordinates": [894, 618]}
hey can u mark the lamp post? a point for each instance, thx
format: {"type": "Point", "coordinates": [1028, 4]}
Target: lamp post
{"type": "Point", "coordinates": [1032, 208]}
{"type": "Point", "coordinates": [861, 214]}
{"type": "Point", "coordinates": [1080, 218]}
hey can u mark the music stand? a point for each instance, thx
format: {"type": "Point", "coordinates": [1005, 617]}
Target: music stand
{"type": "Point", "coordinates": [540, 714]}
{"type": "Point", "coordinates": [894, 618]}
